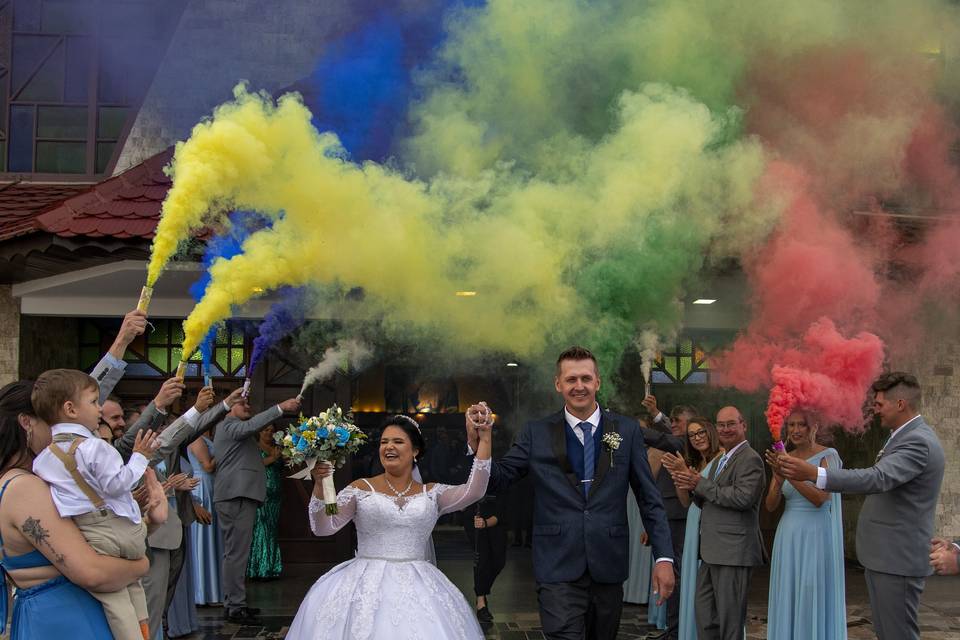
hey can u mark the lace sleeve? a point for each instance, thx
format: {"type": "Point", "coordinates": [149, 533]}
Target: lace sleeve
{"type": "Point", "coordinates": [454, 498]}
{"type": "Point", "coordinates": [323, 525]}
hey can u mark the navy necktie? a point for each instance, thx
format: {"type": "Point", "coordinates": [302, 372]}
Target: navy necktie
{"type": "Point", "coordinates": [588, 460]}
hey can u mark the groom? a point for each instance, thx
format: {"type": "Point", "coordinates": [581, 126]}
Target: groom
{"type": "Point", "coordinates": [581, 460]}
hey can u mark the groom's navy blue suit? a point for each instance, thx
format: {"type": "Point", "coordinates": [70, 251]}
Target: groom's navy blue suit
{"type": "Point", "coordinates": [574, 534]}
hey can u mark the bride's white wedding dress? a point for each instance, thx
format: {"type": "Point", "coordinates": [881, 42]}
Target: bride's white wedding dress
{"type": "Point", "coordinates": [389, 590]}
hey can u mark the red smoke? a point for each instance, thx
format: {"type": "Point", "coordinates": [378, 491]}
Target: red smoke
{"type": "Point", "coordinates": [827, 373]}
{"type": "Point", "coordinates": [853, 133]}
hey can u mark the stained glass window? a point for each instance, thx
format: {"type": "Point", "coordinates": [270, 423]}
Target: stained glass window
{"type": "Point", "coordinates": [686, 362]}
{"type": "Point", "coordinates": [159, 351]}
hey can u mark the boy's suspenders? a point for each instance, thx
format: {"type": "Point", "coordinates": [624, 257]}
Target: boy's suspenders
{"type": "Point", "coordinates": [69, 460]}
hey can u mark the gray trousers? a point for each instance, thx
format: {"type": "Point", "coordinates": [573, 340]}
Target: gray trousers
{"type": "Point", "coordinates": [894, 601]}
{"type": "Point", "coordinates": [580, 609]}
{"type": "Point", "coordinates": [155, 587]}
{"type": "Point", "coordinates": [721, 601]}
{"type": "Point", "coordinates": [237, 518]}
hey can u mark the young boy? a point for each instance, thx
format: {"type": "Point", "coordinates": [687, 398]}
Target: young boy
{"type": "Point", "coordinates": [90, 484]}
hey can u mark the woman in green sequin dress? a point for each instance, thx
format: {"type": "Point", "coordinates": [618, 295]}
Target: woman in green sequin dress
{"type": "Point", "coordinates": [265, 552]}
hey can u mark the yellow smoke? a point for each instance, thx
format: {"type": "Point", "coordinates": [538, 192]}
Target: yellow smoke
{"type": "Point", "coordinates": [516, 238]}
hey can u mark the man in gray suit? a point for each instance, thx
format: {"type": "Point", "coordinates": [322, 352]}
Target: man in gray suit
{"type": "Point", "coordinates": [896, 521]}
{"type": "Point", "coordinates": [730, 542]}
{"type": "Point", "coordinates": [676, 428]}
{"type": "Point", "coordinates": [239, 487]}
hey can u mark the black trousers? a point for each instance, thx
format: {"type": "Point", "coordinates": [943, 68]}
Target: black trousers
{"type": "Point", "coordinates": [580, 609]}
{"type": "Point", "coordinates": [491, 549]}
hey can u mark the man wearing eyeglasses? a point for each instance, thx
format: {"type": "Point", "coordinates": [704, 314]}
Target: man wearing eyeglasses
{"type": "Point", "coordinates": [730, 544]}
{"type": "Point", "coordinates": [896, 522]}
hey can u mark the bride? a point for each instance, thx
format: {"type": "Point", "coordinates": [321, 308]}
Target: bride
{"type": "Point", "coordinates": [389, 590]}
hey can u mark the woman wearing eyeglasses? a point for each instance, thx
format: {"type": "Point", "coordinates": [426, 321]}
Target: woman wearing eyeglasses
{"type": "Point", "coordinates": [701, 449]}
{"type": "Point", "coordinates": [806, 573]}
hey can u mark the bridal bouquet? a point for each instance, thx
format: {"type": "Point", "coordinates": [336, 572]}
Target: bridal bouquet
{"type": "Point", "coordinates": [330, 436]}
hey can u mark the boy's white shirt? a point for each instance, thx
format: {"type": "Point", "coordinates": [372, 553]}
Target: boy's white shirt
{"type": "Point", "coordinates": [101, 466]}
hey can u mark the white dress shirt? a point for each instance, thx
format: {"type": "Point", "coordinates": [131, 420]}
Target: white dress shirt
{"type": "Point", "coordinates": [103, 469]}
{"type": "Point", "coordinates": [574, 422]}
{"type": "Point", "coordinates": [822, 472]}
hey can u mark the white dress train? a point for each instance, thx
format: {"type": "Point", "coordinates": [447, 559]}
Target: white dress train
{"type": "Point", "coordinates": [389, 590]}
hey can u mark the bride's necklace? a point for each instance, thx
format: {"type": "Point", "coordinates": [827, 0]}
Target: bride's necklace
{"type": "Point", "coordinates": [401, 500]}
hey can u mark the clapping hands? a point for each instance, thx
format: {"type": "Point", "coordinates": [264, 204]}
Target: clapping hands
{"type": "Point", "coordinates": [683, 476]}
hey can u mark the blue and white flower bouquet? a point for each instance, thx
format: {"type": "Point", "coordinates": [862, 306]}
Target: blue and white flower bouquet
{"type": "Point", "coordinates": [330, 436]}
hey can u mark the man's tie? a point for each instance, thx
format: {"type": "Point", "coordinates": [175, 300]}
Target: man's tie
{"type": "Point", "coordinates": [721, 464]}
{"type": "Point", "coordinates": [588, 462]}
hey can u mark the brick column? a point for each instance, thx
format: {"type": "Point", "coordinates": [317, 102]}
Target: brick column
{"type": "Point", "coordinates": [9, 335]}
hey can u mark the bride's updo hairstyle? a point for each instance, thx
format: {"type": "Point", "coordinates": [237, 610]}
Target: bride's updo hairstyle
{"type": "Point", "coordinates": [412, 429]}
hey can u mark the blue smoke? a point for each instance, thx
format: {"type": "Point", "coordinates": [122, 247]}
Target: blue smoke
{"type": "Point", "coordinates": [361, 88]}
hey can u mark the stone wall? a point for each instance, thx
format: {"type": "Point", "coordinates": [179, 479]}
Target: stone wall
{"type": "Point", "coordinates": [9, 336]}
{"type": "Point", "coordinates": [938, 370]}
{"type": "Point", "coordinates": [219, 43]}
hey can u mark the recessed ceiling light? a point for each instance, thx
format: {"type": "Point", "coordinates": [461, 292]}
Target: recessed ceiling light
{"type": "Point", "coordinates": [466, 294]}
{"type": "Point", "coordinates": [512, 364]}
{"type": "Point", "coordinates": [704, 301]}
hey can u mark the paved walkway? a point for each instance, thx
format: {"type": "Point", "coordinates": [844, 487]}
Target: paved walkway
{"type": "Point", "coordinates": [514, 604]}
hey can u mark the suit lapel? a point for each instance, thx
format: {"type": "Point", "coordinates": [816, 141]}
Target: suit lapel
{"type": "Point", "coordinates": [558, 440]}
{"type": "Point", "coordinates": [730, 460]}
{"type": "Point", "coordinates": [607, 423]}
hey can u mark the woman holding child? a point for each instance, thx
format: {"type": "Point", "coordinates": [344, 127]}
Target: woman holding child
{"type": "Point", "coordinates": [45, 555]}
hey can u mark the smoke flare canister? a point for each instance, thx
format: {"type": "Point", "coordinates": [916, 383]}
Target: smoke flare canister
{"type": "Point", "coordinates": [181, 369]}
{"type": "Point", "coordinates": [778, 446]}
{"type": "Point", "coordinates": [145, 295]}
{"type": "Point", "coordinates": [246, 388]}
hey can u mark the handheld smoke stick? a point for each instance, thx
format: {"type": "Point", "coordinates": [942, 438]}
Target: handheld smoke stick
{"type": "Point", "coordinates": [778, 446]}
{"type": "Point", "coordinates": [145, 295]}
{"type": "Point", "coordinates": [181, 369]}
{"type": "Point", "coordinates": [246, 388]}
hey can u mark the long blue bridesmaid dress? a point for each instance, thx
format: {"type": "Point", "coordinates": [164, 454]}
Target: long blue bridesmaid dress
{"type": "Point", "coordinates": [807, 599]}
{"type": "Point", "coordinates": [205, 540]}
{"type": "Point", "coordinates": [636, 588]}
{"type": "Point", "coordinates": [688, 569]}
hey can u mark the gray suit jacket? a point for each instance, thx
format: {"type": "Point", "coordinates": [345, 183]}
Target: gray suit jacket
{"type": "Point", "coordinates": [730, 517]}
{"type": "Point", "coordinates": [107, 375]}
{"type": "Point", "coordinates": [172, 438]}
{"type": "Point", "coordinates": [240, 472]}
{"type": "Point", "coordinates": [172, 450]}
{"type": "Point", "coordinates": [896, 521]}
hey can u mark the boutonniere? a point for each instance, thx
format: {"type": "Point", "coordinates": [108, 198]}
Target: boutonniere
{"type": "Point", "coordinates": [612, 440]}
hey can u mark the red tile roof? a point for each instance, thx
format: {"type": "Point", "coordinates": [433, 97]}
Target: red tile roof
{"type": "Point", "coordinates": [124, 206]}
{"type": "Point", "coordinates": [21, 202]}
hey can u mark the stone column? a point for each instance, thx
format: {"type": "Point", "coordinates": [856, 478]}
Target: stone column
{"type": "Point", "coordinates": [938, 371]}
{"type": "Point", "coordinates": [9, 335]}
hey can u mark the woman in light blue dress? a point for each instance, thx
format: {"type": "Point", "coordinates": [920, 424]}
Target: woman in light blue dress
{"type": "Point", "coordinates": [205, 540]}
{"type": "Point", "coordinates": [701, 450]}
{"type": "Point", "coordinates": [806, 573]}
{"type": "Point", "coordinates": [636, 589]}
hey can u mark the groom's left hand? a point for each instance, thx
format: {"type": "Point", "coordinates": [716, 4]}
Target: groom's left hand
{"type": "Point", "coordinates": [663, 581]}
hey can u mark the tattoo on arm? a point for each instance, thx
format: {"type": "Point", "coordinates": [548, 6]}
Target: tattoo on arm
{"type": "Point", "coordinates": [40, 536]}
